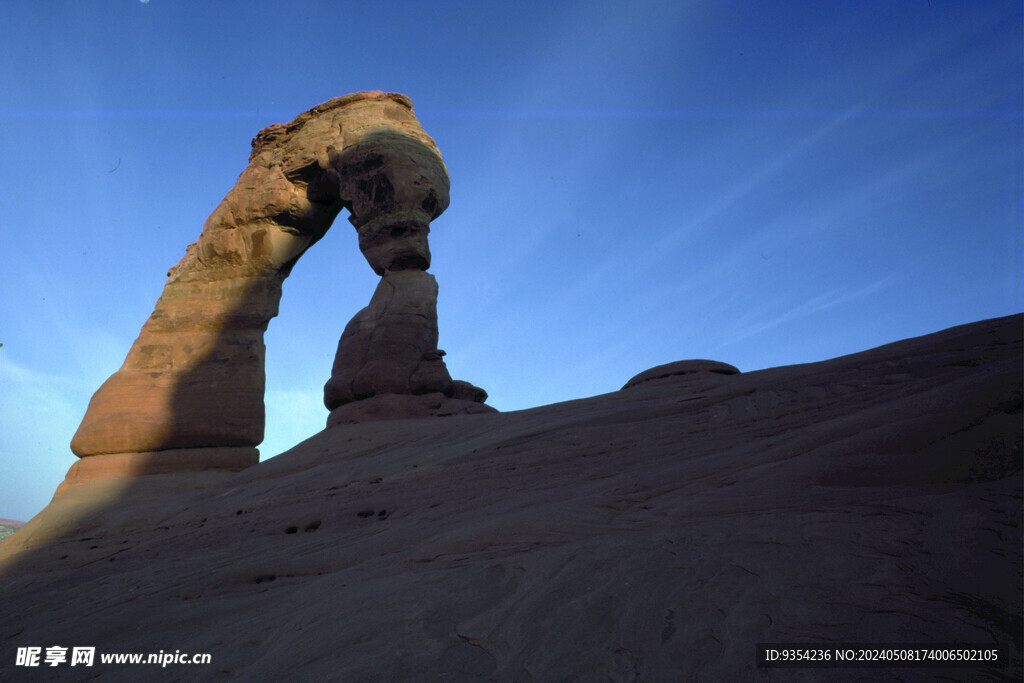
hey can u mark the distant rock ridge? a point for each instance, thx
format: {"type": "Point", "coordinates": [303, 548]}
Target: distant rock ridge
{"type": "Point", "coordinates": [194, 378]}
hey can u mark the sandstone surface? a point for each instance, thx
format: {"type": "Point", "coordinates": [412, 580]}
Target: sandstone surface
{"type": "Point", "coordinates": [403, 406]}
{"type": "Point", "coordinates": [650, 534]}
{"type": "Point", "coordinates": [389, 351]}
{"type": "Point", "coordinates": [688, 368]}
{"type": "Point", "coordinates": [137, 464]}
{"type": "Point", "coordinates": [390, 347]}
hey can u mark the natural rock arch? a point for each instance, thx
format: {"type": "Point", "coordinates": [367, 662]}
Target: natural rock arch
{"type": "Point", "coordinates": [190, 392]}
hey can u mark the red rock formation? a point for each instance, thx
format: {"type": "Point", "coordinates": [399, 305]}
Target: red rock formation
{"type": "Point", "coordinates": [388, 352]}
{"type": "Point", "coordinates": [692, 369]}
{"type": "Point", "coordinates": [194, 378]}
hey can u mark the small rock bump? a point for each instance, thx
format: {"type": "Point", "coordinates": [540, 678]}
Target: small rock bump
{"type": "Point", "coordinates": [682, 368]}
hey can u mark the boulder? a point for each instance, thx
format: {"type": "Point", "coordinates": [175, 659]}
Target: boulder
{"type": "Point", "coordinates": [467, 392]}
{"type": "Point", "coordinates": [391, 345]}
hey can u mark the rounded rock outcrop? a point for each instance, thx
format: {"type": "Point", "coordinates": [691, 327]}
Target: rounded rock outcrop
{"type": "Point", "coordinates": [681, 368]}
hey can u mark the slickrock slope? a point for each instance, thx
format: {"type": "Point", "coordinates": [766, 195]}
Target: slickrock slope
{"type": "Point", "coordinates": [655, 533]}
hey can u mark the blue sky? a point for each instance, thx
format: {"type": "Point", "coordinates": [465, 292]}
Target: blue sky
{"type": "Point", "coordinates": [633, 183]}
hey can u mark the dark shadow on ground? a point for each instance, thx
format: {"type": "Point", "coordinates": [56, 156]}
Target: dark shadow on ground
{"type": "Point", "coordinates": [875, 497]}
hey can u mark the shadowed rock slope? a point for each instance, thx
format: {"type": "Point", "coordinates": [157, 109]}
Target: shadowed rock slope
{"type": "Point", "coordinates": [655, 533]}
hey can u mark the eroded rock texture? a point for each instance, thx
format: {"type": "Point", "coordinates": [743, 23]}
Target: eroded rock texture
{"type": "Point", "coordinates": [391, 345]}
{"type": "Point", "coordinates": [388, 364]}
{"type": "Point", "coordinates": [652, 534]}
{"type": "Point", "coordinates": [194, 378]}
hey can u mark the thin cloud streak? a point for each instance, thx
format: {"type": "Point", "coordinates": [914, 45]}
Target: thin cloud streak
{"type": "Point", "coordinates": [839, 296]}
{"type": "Point", "coordinates": [667, 246]}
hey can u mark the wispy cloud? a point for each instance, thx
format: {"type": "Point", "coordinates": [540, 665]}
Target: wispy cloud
{"type": "Point", "coordinates": [733, 194]}
{"type": "Point", "coordinates": [762, 320]}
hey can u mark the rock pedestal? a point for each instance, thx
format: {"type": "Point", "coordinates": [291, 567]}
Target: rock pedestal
{"type": "Point", "coordinates": [388, 353]}
{"type": "Point", "coordinates": [390, 347]}
{"type": "Point", "coordinates": [388, 364]}
{"type": "Point", "coordinates": [194, 378]}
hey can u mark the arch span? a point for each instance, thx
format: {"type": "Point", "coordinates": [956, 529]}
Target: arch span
{"type": "Point", "coordinates": [190, 392]}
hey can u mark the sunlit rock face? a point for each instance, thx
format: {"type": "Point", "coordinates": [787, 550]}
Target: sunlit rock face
{"type": "Point", "coordinates": [194, 378]}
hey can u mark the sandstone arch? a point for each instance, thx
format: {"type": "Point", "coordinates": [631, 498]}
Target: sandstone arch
{"type": "Point", "coordinates": [190, 392]}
